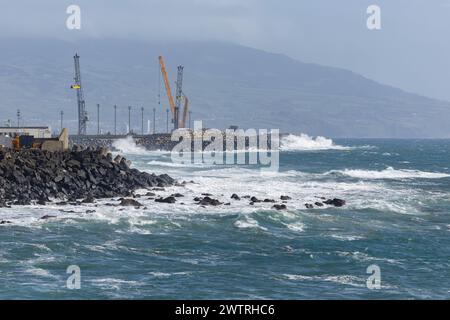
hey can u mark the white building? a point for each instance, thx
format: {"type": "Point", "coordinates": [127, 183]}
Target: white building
{"type": "Point", "coordinates": [37, 132]}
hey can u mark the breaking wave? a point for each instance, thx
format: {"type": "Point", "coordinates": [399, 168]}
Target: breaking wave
{"type": "Point", "coordinates": [303, 142]}
{"type": "Point", "coordinates": [128, 146]}
{"type": "Point", "coordinates": [390, 173]}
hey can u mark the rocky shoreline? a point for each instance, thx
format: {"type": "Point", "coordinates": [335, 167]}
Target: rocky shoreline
{"type": "Point", "coordinates": [35, 176]}
{"type": "Point", "coordinates": [82, 175]}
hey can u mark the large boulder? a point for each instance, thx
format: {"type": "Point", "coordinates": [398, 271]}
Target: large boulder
{"type": "Point", "coordinates": [130, 203]}
{"type": "Point", "coordinates": [166, 200]}
{"type": "Point", "coordinates": [335, 202]}
{"type": "Point", "coordinates": [207, 201]}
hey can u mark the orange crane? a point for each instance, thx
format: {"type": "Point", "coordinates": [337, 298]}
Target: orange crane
{"type": "Point", "coordinates": [174, 107]}
{"type": "Point", "coordinates": [167, 84]}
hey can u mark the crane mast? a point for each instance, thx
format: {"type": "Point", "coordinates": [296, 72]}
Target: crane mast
{"type": "Point", "coordinates": [82, 113]}
{"type": "Point", "coordinates": [175, 105]}
{"type": "Point", "coordinates": [185, 110]}
{"type": "Point", "coordinates": [179, 97]}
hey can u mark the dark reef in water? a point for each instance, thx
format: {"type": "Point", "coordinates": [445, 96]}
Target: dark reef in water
{"type": "Point", "coordinates": [35, 176]}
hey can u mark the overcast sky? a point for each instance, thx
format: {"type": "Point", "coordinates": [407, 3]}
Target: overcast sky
{"type": "Point", "coordinates": [411, 51]}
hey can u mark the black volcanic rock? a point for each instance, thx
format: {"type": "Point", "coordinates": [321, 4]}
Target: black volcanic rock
{"type": "Point", "coordinates": [207, 201]}
{"type": "Point", "coordinates": [130, 203]}
{"type": "Point", "coordinates": [34, 175]}
{"type": "Point", "coordinates": [235, 196]}
{"type": "Point", "coordinates": [46, 217]}
{"type": "Point", "coordinates": [166, 200]}
{"type": "Point", "coordinates": [254, 199]}
{"type": "Point", "coordinates": [89, 199]}
{"type": "Point", "coordinates": [318, 204]}
{"type": "Point", "coordinates": [177, 195]}
{"type": "Point", "coordinates": [335, 202]}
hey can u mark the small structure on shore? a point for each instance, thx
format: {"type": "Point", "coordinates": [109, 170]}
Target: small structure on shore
{"type": "Point", "coordinates": [59, 143]}
{"type": "Point", "coordinates": [37, 132]}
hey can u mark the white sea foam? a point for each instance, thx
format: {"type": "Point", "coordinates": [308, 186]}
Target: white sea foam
{"type": "Point", "coordinates": [341, 279]}
{"type": "Point", "coordinates": [346, 237]}
{"type": "Point", "coordinates": [248, 223]}
{"type": "Point", "coordinates": [303, 142]}
{"type": "Point", "coordinates": [390, 173]}
{"type": "Point", "coordinates": [166, 274]}
{"type": "Point", "coordinates": [113, 283]}
{"type": "Point", "coordinates": [178, 165]}
{"type": "Point", "coordinates": [160, 274]}
{"type": "Point", "coordinates": [364, 257]}
{"type": "Point", "coordinates": [296, 226]}
{"type": "Point", "coordinates": [39, 272]}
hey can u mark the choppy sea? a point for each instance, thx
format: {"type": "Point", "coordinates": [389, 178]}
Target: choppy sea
{"type": "Point", "coordinates": [397, 217]}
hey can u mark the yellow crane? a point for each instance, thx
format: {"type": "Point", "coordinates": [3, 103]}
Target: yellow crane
{"type": "Point", "coordinates": [173, 107]}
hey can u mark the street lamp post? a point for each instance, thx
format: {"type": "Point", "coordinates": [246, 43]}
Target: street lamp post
{"type": "Point", "coordinates": [115, 120]}
{"type": "Point", "coordinates": [154, 120]}
{"type": "Point", "coordinates": [129, 119]}
{"type": "Point", "coordinates": [167, 120]}
{"type": "Point", "coordinates": [98, 119]}
{"type": "Point", "coordinates": [142, 120]}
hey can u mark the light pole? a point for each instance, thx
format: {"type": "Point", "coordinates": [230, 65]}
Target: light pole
{"type": "Point", "coordinates": [129, 119]}
{"type": "Point", "coordinates": [62, 119]}
{"type": "Point", "coordinates": [18, 118]}
{"type": "Point", "coordinates": [167, 120]}
{"type": "Point", "coordinates": [190, 114]}
{"type": "Point", "coordinates": [142, 120]}
{"type": "Point", "coordinates": [154, 120]}
{"type": "Point", "coordinates": [98, 119]}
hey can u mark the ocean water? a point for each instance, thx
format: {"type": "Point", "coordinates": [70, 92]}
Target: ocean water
{"type": "Point", "coordinates": [397, 217]}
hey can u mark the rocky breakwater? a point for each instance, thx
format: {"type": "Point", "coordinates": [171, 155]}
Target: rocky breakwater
{"type": "Point", "coordinates": [36, 176]}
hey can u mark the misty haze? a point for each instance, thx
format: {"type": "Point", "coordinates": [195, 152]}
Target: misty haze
{"type": "Point", "coordinates": [204, 152]}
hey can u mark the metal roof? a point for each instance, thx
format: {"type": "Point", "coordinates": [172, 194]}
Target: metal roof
{"type": "Point", "coordinates": [24, 128]}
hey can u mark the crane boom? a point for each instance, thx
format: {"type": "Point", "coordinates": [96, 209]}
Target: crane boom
{"type": "Point", "coordinates": [167, 85]}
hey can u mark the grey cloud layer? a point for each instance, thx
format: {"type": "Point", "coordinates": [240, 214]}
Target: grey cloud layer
{"type": "Point", "coordinates": [410, 52]}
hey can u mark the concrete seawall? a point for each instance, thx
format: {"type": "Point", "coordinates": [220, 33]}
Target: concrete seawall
{"type": "Point", "coordinates": [159, 141]}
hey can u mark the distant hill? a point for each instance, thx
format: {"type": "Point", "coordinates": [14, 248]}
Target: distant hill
{"type": "Point", "coordinates": [227, 84]}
